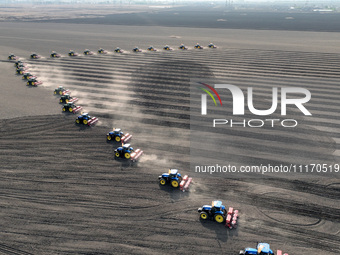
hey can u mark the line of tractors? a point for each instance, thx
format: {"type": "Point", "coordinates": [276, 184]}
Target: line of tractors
{"type": "Point", "coordinates": [216, 211]}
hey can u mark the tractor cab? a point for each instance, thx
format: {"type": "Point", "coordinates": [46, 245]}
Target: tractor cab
{"type": "Point", "coordinates": [85, 116]}
{"type": "Point", "coordinates": [69, 105]}
{"type": "Point", "coordinates": [117, 131]}
{"type": "Point", "coordinates": [32, 79]}
{"type": "Point", "coordinates": [173, 173]}
{"type": "Point", "coordinates": [127, 147]}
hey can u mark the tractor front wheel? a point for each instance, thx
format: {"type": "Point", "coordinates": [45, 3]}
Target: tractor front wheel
{"type": "Point", "coordinates": [109, 138]}
{"type": "Point", "coordinates": [204, 216]}
{"type": "Point", "coordinates": [162, 182]}
{"type": "Point", "coordinates": [174, 183]}
{"type": "Point", "coordinates": [55, 92]}
{"type": "Point", "coordinates": [219, 218]}
{"type": "Point", "coordinates": [61, 100]}
{"type": "Point", "coordinates": [117, 154]}
{"type": "Point", "coordinates": [64, 109]}
{"type": "Point", "coordinates": [77, 121]}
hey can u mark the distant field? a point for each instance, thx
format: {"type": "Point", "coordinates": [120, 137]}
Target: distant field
{"type": "Point", "coordinates": [202, 17]}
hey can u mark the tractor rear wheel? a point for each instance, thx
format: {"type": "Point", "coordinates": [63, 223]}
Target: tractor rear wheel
{"type": "Point", "coordinates": [174, 183]}
{"type": "Point", "coordinates": [66, 101]}
{"type": "Point", "coordinates": [204, 216]}
{"type": "Point", "coordinates": [60, 92]}
{"type": "Point", "coordinates": [85, 122]}
{"type": "Point", "coordinates": [219, 218]}
{"type": "Point", "coordinates": [70, 109]}
{"type": "Point", "coordinates": [118, 139]}
{"type": "Point", "coordinates": [162, 181]}
{"type": "Point", "coordinates": [127, 155]}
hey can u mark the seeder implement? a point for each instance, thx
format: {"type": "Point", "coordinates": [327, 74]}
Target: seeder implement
{"type": "Point", "coordinates": [127, 137]}
{"type": "Point", "coordinates": [231, 220]}
{"type": "Point", "coordinates": [73, 100]}
{"type": "Point", "coordinates": [185, 183]}
{"type": "Point", "coordinates": [92, 121]}
{"type": "Point", "coordinates": [136, 154]}
{"type": "Point", "coordinates": [279, 252]}
{"type": "Point", "coordinates": [77, 109]}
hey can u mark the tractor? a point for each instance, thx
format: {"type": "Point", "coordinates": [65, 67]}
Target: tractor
{"type": "Point", "coordinates": [262, 249]}
{"type": "Point", "coordinates": [212, 46]}
{"type": "Point", "coordinates": [175, 179]}
{"type": "Point", "coordinates": [118, 50]}
{"type": "Point", "coordinates": [33, 82]}
{"type": "Point", "coordinates": [102, 51]}
{"type": "Point", "coordinates": [61, 91]}
{"type": "Point", "coordinates": [19, 63]}
{"type": "Point", "coordinates": [117, 135]}
{"type": "Point", "coordinates": [197, 46]}
{"type": "Point", "coordinates": [86, 119]}
{"type": "Point", "coordinates": [71, 107]}
{"type": "Point", "coordinates": [182, 47]}
{"type": "Point", "coordinates": [21, 70]}
{"type": "Point", "coordinates": [151, 48]}
{"type": "Point", "coordinates": [127, 152]}
{"type": "Point", "coordinates": [12, 57]}
{"type": "Point", "coordinates": [35, 56]}
{"type": "Point", "coordinates": [55, 55]}
{"type": "Point", "coordinates": [136, 50]}
{"type": "Point", "coordinates": [28, 76]}
{"type": "Point", "coordinates": [73, 53]}
{"type": "Point", "coordinates": [88, 52]}
{"type": "Point", "coordinates": [66, 98]}
{"type": "Point", "coordinates": [167, 47]}
{"type": "Point", "coordinates": [217, 212]}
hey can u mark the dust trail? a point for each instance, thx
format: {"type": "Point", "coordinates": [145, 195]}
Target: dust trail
{"type": "Point", "coordinates": [49, 79]}
{"type": "Point", "coordinates": [154, 159]}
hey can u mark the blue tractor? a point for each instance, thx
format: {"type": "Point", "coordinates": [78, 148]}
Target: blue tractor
{"type": "Point", "coordinates": [124, 151]}
{"type": "Point", "coordinates": [86, 119]}
{"type": "Point", "coordinates": [262, 249]}
{"type": "Point", "coordinates": [173, 177]}
{"type": "Point", "coordinates": [216, 211]}
{"type": "Point", "coordinates": [118, 135]}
